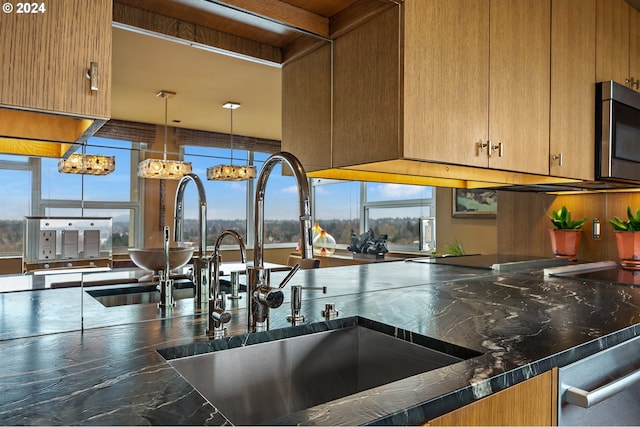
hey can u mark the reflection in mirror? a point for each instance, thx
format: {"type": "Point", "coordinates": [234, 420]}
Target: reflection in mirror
{"type": "Point", "coordinates": [139, 209]}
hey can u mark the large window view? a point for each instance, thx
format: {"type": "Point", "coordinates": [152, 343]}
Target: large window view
{"type": "Point", "coordinates": [346, 207]}
{"type": "Point", "coordinates": [343, 208]}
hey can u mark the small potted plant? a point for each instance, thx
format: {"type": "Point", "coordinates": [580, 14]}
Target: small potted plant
{"type": "Point", "coordinates": [628, 237]}
{"type": "Point", "coordinates": [565, 234]}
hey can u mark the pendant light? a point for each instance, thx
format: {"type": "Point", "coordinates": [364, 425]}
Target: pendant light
{"type": "Point", "coordinates": [87, 164]}
{"type": "Point", "coordinates": [164, 169]}
{"type": "Point", "coordinates": [231, 172]}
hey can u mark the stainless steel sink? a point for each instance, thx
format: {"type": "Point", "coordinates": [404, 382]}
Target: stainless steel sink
{"type": "Point", "coordinates": [258, 382]}
{"type": "Point", "coordinates": [140, 293]}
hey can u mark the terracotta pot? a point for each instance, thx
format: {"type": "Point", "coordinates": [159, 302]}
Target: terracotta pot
{"type": "Point", "coordinates": [628, 243]}
{"type": "Point", "coordinates": [565, 243]}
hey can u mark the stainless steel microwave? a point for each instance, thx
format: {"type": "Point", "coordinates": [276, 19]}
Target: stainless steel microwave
{"type": "Point", "coordinates": [617, 133]}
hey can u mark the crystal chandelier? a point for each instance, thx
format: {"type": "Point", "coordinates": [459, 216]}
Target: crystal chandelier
{"type": "Point", "coordinates": [87, 164]}
{"type": "Point", "coordinates": [164, 169]}
{"type": "Point", "coordinates": [231, 172]}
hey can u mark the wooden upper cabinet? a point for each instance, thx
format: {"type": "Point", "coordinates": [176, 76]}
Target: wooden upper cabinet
{"type": "Point", "coordinates": [306, 108]}
{"type": "Point", "coordinates": [45, 57]}
{"type": "Point", "coordinates": [634, 44]}
{"type": "Point", "coordinates": [366, 85]}
{"type": "Point", "coordinates": [572, 125]}
{"type": "Point", "coordinates": [437, 80]}
{"type": "Point", "coordinates": [446, 84]}
{"type": "Point", "coordinates": [612, 41]}
{"type": "Point", "coordinates": [519, 85]}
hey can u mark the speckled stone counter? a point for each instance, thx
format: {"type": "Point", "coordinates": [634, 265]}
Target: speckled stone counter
{"type": "Point", "coordinates": [521, 323]}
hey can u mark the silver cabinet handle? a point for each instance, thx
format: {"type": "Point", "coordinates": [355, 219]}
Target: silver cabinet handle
{"type": "Point", "coordinates": [586, 399]}
{"type": "Point", "coordinates": [92, 75]}
{"type": "Point", "coordinates": [499, 147]}
{"type": "Point", "coordinates": [480, 146]}
{"type": "Point", "coordinates": [557, 157]}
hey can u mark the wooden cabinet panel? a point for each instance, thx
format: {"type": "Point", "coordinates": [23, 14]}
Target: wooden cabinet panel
{"type": "Point", "coordinates": [612, 40]}
{"type": "Point", "coordinates": [446, 80]}
{"type": "Point", "coordinates": [367, 107]}
{"type": "Point", "coordinates": [519, 84]}
{"type": "Point", "coordinates": [634, 44]}
{"type": "Point", "coordinates": [572, 127]}
{"type": "Point", "coordinates": [529, 403]}
{"type": "Point", "coordinates": [45, 57]}
{"type": "Point", "coordinates": [306, 109]}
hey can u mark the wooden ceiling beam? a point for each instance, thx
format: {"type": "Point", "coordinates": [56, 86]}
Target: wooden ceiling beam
{"type": "Point", "coordinates": [173, 27]}
{"type": "Point", "coordinates": [357, 13]}
{"type": "Point", "coordinates": [284, 13]}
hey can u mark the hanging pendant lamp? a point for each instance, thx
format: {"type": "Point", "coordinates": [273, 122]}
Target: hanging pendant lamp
{"type": "Point", "coordinates": [163, 168]}
{"type": "Point", "coordinates": [231, 172]}
{"type": "Point", "coordinates": [87, 164]}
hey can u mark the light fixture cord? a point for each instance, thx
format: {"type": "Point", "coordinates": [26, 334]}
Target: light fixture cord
{"type": "Point", "coordinates": [231, 143]}
{"type": "Point", "coordinates": [166, 107]}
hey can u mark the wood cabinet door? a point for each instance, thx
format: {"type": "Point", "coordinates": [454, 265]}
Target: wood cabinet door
{"type": "Point", "coordinates": [366, 92]}
{"type": "Point", "coordinates": [572, 127]}
{"type": "Point", "coordinates": [519, 85]}
{"type": "Point", "coordinates": [446, 85]}
{"type": "Point", "coordinates": [45, 57]}
{"type": "Point", "coordinates": [306, 108]}
{"type": "Point", "coordinates": [612, 40]}
{"type": "Point", "coordinates": [530, 403]}
{"type": "Point", "coordinates": [634, 45]}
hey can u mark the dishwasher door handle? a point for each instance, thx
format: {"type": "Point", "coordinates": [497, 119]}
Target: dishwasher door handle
{"type": "Point", "coordinates": [587, 399]}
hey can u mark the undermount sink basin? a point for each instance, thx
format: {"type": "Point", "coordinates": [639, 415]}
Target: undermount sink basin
{"type": "Point", "coordinates": [153, 259]}
{"type": "Point", "coordinates": [140, 293]}
{"type": "Point", "coordinates": [260, 381]}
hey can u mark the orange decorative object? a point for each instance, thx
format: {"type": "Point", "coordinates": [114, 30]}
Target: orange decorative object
{"type": "Point", "coordinates": [628, 243]}
{"type": "Point", "coordinates": [565, 243]}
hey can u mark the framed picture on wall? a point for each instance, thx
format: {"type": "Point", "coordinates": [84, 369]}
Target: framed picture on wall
{"type": "Point", "coordinates": [474, 203]}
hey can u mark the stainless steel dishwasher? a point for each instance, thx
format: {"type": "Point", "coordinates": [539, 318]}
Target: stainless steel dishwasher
{"type": "Point", "coordinates": [602, 389]}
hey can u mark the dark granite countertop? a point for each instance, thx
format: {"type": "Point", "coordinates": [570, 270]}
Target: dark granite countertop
{"type": "Point", "coordinates": [111, 374]}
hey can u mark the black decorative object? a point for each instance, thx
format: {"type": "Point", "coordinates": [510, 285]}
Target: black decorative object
{"type": "Point", "coordinates": [368, 244]}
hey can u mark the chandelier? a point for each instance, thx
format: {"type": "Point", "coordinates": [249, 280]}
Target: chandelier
{"type": "Point", "coordinates": [87, 164]}
{"type": "Point", "coordinates": [231, 172]}
{"type": "Point", "coordinates": [163, 168]}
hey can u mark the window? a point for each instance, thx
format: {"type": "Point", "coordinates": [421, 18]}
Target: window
{"type": "Point", "coordinates": [391, 209]}
{"type": "Point", "coordinates": [15, 172]}
{"type": "Point", "coordinates": [226, 200]}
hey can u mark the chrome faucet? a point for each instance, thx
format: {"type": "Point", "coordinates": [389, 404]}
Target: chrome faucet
{"type": "Point", "coordinates": [200, 274]}
{"type": "Point", "coordinates": [261, 296]}
{"type": "Point", "coordinates": [218, 315]}
{"type": "Point", "coordinates": [165, 283]}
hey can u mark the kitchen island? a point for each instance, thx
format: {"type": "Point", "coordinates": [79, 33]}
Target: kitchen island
{"type": "Point", "coordinates": [521, 323]}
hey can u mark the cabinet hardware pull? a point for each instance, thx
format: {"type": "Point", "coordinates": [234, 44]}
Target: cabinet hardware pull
{"type": "Point", "coordinates": [480, 146]}
{"type": "Point", "coordinates": [557, 157]}
{"type": "Point", "coordinates": [586, 399]}
{"type": "Point", "coordinates": [499, 147]}
{"type": "Point", "coordinates": [92, 75]}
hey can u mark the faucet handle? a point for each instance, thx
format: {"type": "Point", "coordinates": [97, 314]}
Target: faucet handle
{"type": "Point", "coordinates": [218, 316]}
{"type": "Point", "coordinates": [270, 297]}
{"type": "Point", "coordinates": [289, 276]}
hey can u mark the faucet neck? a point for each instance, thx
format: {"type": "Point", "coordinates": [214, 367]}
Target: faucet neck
{"type": "Point", "coordinates": [215, 258]}
{"type": "Point", "coordinates": [202, 211]}
{"type": "Point", "coordinates": [305, 205]}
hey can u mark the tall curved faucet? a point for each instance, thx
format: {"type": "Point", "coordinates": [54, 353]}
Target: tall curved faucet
{"type": "Point", "coordinates": [200, 273]}
{"type": "Point", "coordinates": [217, 313]}
{"type": "Point", "coordinates": [261, 296]}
